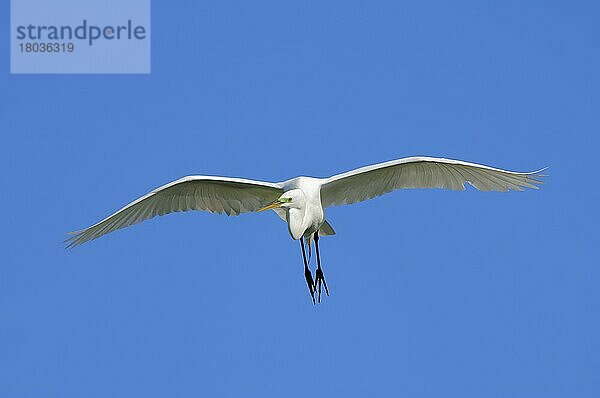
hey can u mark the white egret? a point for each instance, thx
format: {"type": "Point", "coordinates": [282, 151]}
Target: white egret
{"type": "Point", "coordinates": [301, 200]}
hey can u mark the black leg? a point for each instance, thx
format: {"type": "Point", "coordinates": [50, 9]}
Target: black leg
{"type": "Point", "coordinates": [319, 273]}
{"type": "Point", "coordinates": [307, 274]}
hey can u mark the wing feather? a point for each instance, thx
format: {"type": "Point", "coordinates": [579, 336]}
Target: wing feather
{"type": "Point", "coordinates": [421, 172]}
{"type": "Point", "coordinates": [214, 194]}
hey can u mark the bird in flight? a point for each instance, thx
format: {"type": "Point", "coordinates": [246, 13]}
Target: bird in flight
{"type": "Point", "coordinates": [301, 201]}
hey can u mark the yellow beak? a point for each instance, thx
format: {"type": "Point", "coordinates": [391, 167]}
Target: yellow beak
{"type": "Point", "coordinates": [272, 205]}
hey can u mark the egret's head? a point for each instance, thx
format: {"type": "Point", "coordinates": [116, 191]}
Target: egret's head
{"type": "Point", "coordinates": [290, 199]}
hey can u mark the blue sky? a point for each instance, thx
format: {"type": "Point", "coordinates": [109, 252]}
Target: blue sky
{"type": "Point", "coordinates": [434, 293]}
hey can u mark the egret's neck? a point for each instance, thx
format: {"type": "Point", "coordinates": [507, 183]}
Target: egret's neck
{"type": "Point", "coordinates": [306, 218]}
{"type": "Point", "coordinates": [295, 220]}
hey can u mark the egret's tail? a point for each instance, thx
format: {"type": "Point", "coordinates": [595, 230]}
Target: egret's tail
{"type": "Point", "coordinates": [326, 229]}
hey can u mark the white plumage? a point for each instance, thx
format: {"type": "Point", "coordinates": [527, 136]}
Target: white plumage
{"type": "Point", "coordinates": [301, 200]}
{"type": "Point", "coordinates": [234, 196]}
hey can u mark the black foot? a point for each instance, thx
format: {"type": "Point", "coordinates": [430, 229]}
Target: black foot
{"type": "Point", "coordinates": [310, 283]}
{"type": "Point", "coordinates": [320, 282]}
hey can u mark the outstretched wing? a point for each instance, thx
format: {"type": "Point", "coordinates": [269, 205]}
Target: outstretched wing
{"type": "Point", "coordinates": [420, 172]}
{"type": "Point", "coordinates": [214, 194]}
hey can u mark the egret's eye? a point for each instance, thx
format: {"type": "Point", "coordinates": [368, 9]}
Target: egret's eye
{"type": "Point", "coordinates": [286, 200]}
